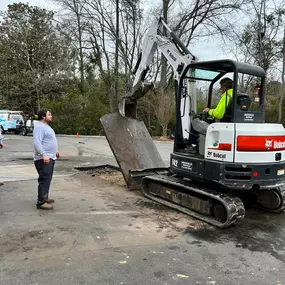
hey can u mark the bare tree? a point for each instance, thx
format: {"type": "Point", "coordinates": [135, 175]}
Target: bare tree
{"type": "Point", "coordinates": [197, 19]}
{"type": "Point", "coordinates": [261, 38]}
{"type": "Point", "coordinates": [108, 49]}
{"type": "Point", "coordinates": [281, 98]}
{"type": "Point", "coordinates": [73, 23]}
{"type": "Point", "coordinates": [163, 104]}
{"type": "Point", "coordinates": [116, 69]}
{"type": "Point", "coordinates": [260, 42]}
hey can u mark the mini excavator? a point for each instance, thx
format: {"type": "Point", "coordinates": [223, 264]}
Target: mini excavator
{"type": "Point", "coordinates": [240, 159]}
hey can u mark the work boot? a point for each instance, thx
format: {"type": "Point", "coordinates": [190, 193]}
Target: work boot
{"type": "Point", "coordinates": [50, 201]}
{"type": "Point", "coordinates": [45, 206]}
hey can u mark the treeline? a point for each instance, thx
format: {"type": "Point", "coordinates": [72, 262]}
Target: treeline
{"type": "Point", "coordinates": [77, 60]}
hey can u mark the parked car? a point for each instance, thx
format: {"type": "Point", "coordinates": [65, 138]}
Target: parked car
{"type": "Point", "coordinates": [11, 121]}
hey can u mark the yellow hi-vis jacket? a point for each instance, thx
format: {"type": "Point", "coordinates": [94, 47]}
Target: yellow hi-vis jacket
{"type": "Point", "coordinates": [219, 111]}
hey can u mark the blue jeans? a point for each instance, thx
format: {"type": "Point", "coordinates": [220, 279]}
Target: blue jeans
{"type": "Point", "coordinates": [193, 136]}
{"type": "Point", "coordinates": [45, 172]}
{"type": "Point", "coordinates": [197, 127]}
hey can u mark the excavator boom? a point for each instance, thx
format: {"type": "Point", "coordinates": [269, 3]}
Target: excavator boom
{"type": "Point", "coordinates": [177, 55]}
{"type": "Point", "coordinates": [129, 138]}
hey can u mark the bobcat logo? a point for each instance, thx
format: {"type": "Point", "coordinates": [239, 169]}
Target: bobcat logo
{"type": "Point", "coordinates": [268, 143]}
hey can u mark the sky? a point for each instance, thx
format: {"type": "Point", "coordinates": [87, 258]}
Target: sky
{"type": "Point", "coordinates": [204, 49]}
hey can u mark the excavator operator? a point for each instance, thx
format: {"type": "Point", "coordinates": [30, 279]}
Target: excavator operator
{"type": "Point", "coordinates": [219, 113]}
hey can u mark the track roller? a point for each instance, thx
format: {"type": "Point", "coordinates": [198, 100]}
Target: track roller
{"type": "Point", "coordinates": [212, 207]}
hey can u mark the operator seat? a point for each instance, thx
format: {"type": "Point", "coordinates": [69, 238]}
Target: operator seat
{"type": "Point", "coordinates": [243, 101]}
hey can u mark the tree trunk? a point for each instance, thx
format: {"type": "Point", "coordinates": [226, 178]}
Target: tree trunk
{"type": "Point", "coordinates": [164, 130]}
{"type": "Point", "coordinates": [81, 56]}
{"type": "Point", "coordinates": [283, 84]}
{"type": "Point", "coordinates": [116, 95]}
{"type": "Point", "coordinates": [163, 59]}
{"type": "Point", "coordinates": [38, 99]}
{"type": "Point", "coordinates": [110, 94]}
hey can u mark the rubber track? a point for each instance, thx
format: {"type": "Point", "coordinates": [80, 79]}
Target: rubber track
{"type": "Point", "coordinates": [233, 204]}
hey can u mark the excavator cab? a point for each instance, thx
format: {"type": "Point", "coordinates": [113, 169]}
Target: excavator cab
{"type": "Point", "coordinates": [246, 105]}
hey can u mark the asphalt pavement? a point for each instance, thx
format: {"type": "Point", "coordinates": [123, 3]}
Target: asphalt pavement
{"type": "Point", "coordinates": [100, 232]}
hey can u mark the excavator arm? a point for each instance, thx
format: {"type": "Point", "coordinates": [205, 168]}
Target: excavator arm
{"type": "Point", "coordinates": [129, 138]}
{"type": "Point", "coordinates": [175, 52]}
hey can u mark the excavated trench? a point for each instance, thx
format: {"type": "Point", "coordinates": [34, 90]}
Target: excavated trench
{"type": "Point", "coordinates": [106, 172]}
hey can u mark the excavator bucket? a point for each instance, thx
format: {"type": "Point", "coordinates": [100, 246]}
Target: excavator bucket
{"type": "Point", "coordinates": [132, 147]}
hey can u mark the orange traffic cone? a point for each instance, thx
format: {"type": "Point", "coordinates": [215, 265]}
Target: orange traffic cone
{"type": "Point", "coordinates": [77, 135]}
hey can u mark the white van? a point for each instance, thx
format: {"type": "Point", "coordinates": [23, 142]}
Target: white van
{"type": "Point", "coordinates": [28, 126]}
{"type": "Point", "coordinates": [11, 121]}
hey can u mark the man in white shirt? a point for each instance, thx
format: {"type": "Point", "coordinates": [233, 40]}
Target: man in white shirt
{"type": "Point", "coordinates": [45, 154]}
